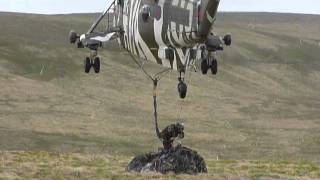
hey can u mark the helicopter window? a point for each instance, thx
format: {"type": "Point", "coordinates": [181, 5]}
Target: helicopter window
{"type": "Point", "coordinates": [145, 12]}
{"type": "Point", "coordinates": [125, 6]}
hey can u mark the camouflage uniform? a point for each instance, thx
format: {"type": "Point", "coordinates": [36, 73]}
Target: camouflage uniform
{"type": "Point", "coordinates": [170, 133]}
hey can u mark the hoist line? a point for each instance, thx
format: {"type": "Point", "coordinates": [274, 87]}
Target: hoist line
{"type": "Point", "coordinates": [155, 79]}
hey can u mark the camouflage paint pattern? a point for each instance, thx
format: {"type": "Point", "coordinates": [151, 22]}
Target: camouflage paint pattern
{"type": "Point", "coordinates": [180, 25]}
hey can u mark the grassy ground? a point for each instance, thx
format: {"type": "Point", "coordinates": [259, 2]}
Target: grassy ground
{"type": "Point", "coordinates": [263, 106]}
{"type": "Point", "coordinates": [44, 165]}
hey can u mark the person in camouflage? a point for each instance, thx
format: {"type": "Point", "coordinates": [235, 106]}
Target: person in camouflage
{"type": "Point", "coordinates": [177, 159]}
{"type": "Point", "coordinates": [170, 133]}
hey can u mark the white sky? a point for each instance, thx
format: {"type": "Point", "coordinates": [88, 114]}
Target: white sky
{"type": "Point", "coordinates": [76, 6]}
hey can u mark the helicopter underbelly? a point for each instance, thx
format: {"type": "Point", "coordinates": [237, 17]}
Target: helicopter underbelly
{"type": "Point", "coordinates": [170, 24]}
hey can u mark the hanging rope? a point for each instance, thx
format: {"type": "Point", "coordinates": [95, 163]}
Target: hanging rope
{"type": "Point", "coordinates": [158, 75]}
{"type": "Point", "coordinates": [155, 79]}
{"type": "Point", "coordinates": [155, 85]}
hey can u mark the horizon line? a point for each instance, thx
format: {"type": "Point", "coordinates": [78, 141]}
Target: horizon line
{"type": "Point", "coordinates": [70, 13]}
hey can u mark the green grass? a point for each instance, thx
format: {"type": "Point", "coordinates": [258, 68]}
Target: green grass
{"type": "Point", "coordinates": [44, 165]}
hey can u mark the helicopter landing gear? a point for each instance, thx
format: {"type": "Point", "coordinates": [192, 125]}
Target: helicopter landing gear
{"type": "Point", "coordinates": [208, 61]}
{"type": "Point", "coordinates": [92, 62]}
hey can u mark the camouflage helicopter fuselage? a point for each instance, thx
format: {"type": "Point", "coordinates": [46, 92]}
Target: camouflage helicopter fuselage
{"type": "Point", "coordinates": [164, 31]}
{"type": "Point", "coordinates": [173, 33]}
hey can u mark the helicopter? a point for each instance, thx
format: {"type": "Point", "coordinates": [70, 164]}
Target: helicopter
{"type": "Point", "coordinates": [172, 33]}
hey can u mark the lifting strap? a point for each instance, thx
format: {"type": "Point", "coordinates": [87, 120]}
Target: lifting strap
{"type": "Point", "coordinates": [155, 85]}
{"type": "Point", "coordinates": [155, 79]}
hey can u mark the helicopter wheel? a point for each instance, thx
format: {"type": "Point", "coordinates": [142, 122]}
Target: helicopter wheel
{"type": "Point", "coordinates": [87, 65]}
{"type": "Point", "coordinates": [96, 64]}
{"type": "Point", "coordinates": [182, 89]}
{"type": "Point", "coordinates": [204, 66]}
{"type": "Point", "coordinates": [214, 66]}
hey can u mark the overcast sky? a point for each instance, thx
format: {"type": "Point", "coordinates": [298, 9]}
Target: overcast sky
{"type": "Point", "coordinates": [76, 6]}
